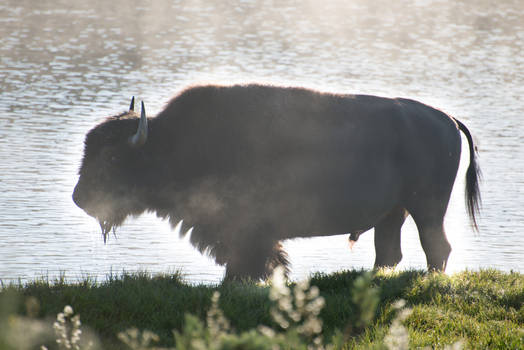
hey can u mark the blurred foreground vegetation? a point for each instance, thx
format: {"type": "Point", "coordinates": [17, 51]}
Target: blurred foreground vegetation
{"type": "Point", "coordinates": [346, 310]}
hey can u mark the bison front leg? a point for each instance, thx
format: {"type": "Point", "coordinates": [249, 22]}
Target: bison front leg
{"type": "Point", "coordinates": [255, 260]}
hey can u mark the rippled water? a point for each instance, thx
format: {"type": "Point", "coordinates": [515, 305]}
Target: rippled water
{"type": "Point", "coordinates": [64, 65]}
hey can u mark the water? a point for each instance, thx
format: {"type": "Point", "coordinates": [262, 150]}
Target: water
{"type": "Point", "coordinates": [64, 65]}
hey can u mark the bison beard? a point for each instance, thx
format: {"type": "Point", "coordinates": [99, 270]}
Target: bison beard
{"type": "Point", "coordinates": [248, 166]}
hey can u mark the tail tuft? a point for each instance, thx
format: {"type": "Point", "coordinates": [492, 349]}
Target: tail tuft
{"type": "Point", "coordinates": [473, 176]}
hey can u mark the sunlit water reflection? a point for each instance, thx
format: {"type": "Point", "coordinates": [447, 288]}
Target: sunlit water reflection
{"type": "Point", "coordinates": [64, 65]}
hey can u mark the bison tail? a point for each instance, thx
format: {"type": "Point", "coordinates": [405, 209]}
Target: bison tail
{"type": "Point", "coordinates": [473, 176]}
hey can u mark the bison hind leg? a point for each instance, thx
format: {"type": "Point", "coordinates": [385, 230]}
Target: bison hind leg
{"type": "Point", "coordinates": [387, 238]}
{"type": "Point", "coordinates": [255, 262]}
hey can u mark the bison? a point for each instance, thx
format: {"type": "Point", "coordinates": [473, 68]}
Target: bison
{"type": "Point", "coordinates": [248, 166]}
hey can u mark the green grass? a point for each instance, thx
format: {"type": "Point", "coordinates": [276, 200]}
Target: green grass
{"type": "Point", "coordinates": [483, 310]}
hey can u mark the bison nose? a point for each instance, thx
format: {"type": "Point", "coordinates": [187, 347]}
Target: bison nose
{"type": "Point", "coordinates": [76, 197]}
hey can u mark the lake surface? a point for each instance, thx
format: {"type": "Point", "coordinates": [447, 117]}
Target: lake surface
{"type": "Point", "coordinates": [65, 65]}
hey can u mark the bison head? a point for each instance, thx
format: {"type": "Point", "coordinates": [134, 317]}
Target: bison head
{"type": "Point", "coordinates": [112, 166]}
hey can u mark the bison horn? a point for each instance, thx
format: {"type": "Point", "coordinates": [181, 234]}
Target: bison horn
{"type": "Point", "coordinates": [132, 105]}
{"type": "Point", "coordinates": [140, 137]}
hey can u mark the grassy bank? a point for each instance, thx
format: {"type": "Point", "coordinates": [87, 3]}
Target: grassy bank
{"type": "Point", "coordinates": [359, 310]}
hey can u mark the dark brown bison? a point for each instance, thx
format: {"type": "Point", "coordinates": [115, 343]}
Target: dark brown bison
{"type": "Point", "coordinates": [250, 165]}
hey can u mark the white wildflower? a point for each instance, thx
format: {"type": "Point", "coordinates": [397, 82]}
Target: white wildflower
{"type": "Point", "coordinates": [315, 306]}
{"type": "Point", "coordinates": [266, 331]}
{"type": "Point", "coordinates": [76, 321]}
{"type": "Point", "coordinates": [312, 325]}
{"type": "Point", "coordinates": [456, 346]}
{"type": "Point", "coordinates": [279, 291]}
{"type": "Point", "coordinates": [313, 292]}
{"type": "Point", "coordinates": [216, 320]}
{"type": "Point", "coordinates": [399, 304]}
{"type": "Point", "coordinates": [398, 336]}
{"type": "Point", "coordinates": [67, 330]}
{"type": "Point", "coordinates": [68, 310]}
{"type": "Point", "coordinates": [298, 310]}
{"type": "Point", "coordinates": [279, 318]}
{"type": "Point", "coordinates": [137, 340]}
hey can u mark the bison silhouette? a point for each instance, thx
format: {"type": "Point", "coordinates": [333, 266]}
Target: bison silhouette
{"type": "Point", "coordinates": [248, 166]}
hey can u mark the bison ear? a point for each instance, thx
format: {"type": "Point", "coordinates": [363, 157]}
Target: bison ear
{"type": "Point", "coordinates": [132, 105]}
{"type": "Point", "coordinates": [138, 139]}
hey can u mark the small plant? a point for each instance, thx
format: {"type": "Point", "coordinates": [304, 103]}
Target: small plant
{"type": "Point", "coordinates": [398, 336]}
{"type": "Point", "coordinates": [68, 332]}
{"type": "Point", "coordinates": [366, 297]}
{"type": "Point", "coordinates": [137, 340]}
{"type": "Point", "coordinates": [296, 310]}
{"type": "Point", "coordinates": [216, 321]}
